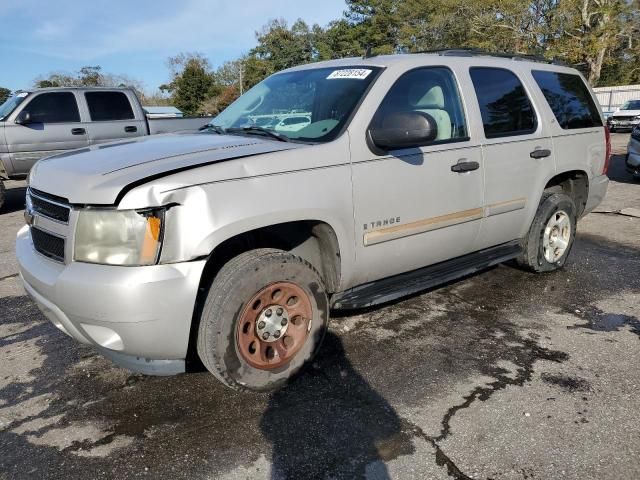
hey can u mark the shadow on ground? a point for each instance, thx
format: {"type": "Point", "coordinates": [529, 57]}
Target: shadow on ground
{"type": "Point", "coordinates": [14, 200]}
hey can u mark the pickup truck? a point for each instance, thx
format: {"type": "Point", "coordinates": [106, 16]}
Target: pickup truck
{"type": "Point", "coordinates": [42, 122]}
{"type": "Point", "coordinates": [232, 245]}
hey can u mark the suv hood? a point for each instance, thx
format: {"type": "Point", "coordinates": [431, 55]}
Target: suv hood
{"type": "Point", "coordinates": [626, 113]}
{"type": "Point", "coordinates": [97, 174]}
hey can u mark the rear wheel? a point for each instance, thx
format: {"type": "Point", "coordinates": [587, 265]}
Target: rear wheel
{"type": "Point", "coordinates": [551, 235]}
{"type": "Point", "coordinates": [264, 317]}
{"type": "Point", "coordinates": [2, 191]}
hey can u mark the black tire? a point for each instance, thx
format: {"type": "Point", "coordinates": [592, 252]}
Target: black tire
{"type": "Point", "coordinates": [228, 299]}
{"type": "Point", "coordinates": [2, 192]}
{"type": "Point", "coordinates": [533, 257]}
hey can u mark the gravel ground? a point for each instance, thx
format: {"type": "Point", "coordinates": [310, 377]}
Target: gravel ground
{"type": "Point", "coordinates": [504, 375]}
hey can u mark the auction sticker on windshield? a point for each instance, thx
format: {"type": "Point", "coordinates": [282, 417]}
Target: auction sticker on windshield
{"type": "Point", "coordinates": [351, 73]}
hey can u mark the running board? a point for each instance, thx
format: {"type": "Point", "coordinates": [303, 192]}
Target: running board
{"type": "Point", "coordinates": [392, 288]}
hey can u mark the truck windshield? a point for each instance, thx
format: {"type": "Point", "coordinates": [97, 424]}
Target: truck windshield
{"type": "Point", "coordinates": [10, 105]}
{"type": "Point", "coordinates": [631, 105]}
{"type": "Point", "coordinates": [306, 105]}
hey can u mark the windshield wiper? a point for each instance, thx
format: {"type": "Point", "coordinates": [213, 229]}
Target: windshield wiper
{"type": "Point", "coordinates": [260, 130]}
{"type": "Point", "coordinates": [216, 128]}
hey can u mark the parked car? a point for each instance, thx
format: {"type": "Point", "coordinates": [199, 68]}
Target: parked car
{"type": "Point", "coordinates": [632, 161]}
{"type": "Point", "coordinates": [293, 124]}
{"type": "Point", "coordinates": [626, 117]}
{"type": "Point", "coordinates": [232, 245]}
{"type": "Point", "coordinates": [42, 122]}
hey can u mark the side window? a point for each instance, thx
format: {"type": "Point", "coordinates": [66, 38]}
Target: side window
{"type": "Point", "coordinates": [505, 107]}
{"type": "Point", "coordinates": [58, 107]}
{"type": "Point", "coordinates": [569, 99]}
{"type": "Point", "coordinates": [431, 90]}
{"type": "Point", "coordinates": [106, 106]}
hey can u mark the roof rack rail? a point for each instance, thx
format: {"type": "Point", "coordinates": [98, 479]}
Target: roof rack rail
{"type": "Point", "coordinates": [476, 52]}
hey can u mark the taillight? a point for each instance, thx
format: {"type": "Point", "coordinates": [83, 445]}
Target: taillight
{"type": "Point", "coordinates": [607, 155]}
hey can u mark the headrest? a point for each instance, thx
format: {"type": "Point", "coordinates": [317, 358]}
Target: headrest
{"type": "Point", "coordinates": [432, 97]}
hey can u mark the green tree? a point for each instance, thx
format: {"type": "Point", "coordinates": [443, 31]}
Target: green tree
{"type": "Point", "coordinates": [192, 83]}
{"type": "Point", "coordinates": [589, 32]}
{"type": "Point", "coordinates": [281, 47]}
{"type": "Point", "coordinates": [4, 94]}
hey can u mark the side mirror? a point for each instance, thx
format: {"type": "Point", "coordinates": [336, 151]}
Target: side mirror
{"type": "Point", "coordinates": [23, 118]}
{"type": "Point", "coordinates": [404, 130]}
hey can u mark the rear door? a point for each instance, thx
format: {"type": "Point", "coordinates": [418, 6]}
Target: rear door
{"type": "Point", "coordinates": [577, 126]}
{"type": "Point", "coordinates": [113, 116]}
{"type": "Point", "coordinates": [55, 126]}
{"type": "Point", "coordinates": [517, 152]}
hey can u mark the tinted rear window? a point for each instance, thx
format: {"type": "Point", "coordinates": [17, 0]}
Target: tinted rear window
{"type": "Point", "coordinates": [569, 98]}
{"type": "Point", "coordinates": [55, 107]}
{"type": "Point", "coordinates": [504, 104]}
{"type": "Point", "coordinates": [105, 106]}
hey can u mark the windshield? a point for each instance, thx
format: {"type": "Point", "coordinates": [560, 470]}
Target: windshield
{"type": "Point", "coordinates": [306, 105]}
{"type": "Point", "coordinates": [631, 105]}
{"type": "Point", "coordinates": [10, 104]}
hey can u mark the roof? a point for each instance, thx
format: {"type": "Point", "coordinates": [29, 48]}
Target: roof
{"type": "Point", "coordinates": [439, 57]}
{"type": "Point", "coordinates": [57, 89]}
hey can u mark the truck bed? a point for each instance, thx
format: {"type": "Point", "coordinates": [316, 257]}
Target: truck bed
{"type": "Point", "coordinates": [170, 125]}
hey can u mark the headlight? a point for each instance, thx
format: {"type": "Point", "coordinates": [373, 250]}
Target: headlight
{"type": "Point", "coordinates": [119, 237]}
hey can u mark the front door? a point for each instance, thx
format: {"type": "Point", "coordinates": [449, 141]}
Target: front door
{"type": "Point", "coordinates": [416, 207]}
{"type": "Point", "coordinates": [55, 126]}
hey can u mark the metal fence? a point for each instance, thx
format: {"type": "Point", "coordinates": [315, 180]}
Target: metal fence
{"type": "Point", "coordinates": [612, 98]}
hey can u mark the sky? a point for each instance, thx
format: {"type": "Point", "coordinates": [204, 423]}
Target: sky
{"type": "Point", "coordinates": [135, 37]}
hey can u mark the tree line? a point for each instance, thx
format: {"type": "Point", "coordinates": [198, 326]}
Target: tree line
{"type": "Point", "coordinates": [599, 37]}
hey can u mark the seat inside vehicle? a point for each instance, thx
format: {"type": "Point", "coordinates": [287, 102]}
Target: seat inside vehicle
{"type": "Point", "coordinates": [429, 99]}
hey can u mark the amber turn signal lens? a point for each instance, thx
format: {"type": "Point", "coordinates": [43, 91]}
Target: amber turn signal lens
{"type": "Point", "coordinates": [151, 241]}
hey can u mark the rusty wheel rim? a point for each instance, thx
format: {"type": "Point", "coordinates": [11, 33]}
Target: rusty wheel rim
{"type": "Point", "coordinates": [274, 325]}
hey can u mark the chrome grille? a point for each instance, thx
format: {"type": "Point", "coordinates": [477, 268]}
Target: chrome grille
{"type": "Point", "coordinates": [48, 216]}
{"type": "Point", "coordinates": [55, 208]}
{"type": "Point", "coordinates": [47, 244]}
{"type": "Point", "coordinates": [622, 118]}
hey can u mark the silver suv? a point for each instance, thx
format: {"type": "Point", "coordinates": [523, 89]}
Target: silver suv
{"type": "Point", "coordinates": [231, 246]}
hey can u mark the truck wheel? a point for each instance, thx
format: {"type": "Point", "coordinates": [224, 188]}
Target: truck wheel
{"type": "Point", "coordinates": [551, 236]}
{"type": "Point", "coordinates": [265, 316]}
{"type": "Point", "coordinates": [2, 190]}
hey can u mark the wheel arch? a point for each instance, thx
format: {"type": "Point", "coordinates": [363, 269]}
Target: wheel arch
{"type": "Point", "coordinates": [314, 240]}
{"type": "Point", "coordinates": [574, 183]}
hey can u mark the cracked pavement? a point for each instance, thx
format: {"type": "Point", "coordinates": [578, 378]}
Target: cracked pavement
{"type": "Point", "coordinates": [502, 375]}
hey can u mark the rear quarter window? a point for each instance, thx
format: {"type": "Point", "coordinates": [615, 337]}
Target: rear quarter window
{"type": "Point", "coordinates": [108, 106]}
{"type": "Point", "coordinates": [569, 99]}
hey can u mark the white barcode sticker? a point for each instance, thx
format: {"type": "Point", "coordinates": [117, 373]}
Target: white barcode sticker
{"type": "Point", "coordinates": [351, 73]}
{"type": "Point", "coordinates": [22, 94]}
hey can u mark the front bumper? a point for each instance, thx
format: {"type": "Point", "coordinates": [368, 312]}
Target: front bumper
{"type": "Point", "coordinates": [139, 317]}
{"type": "Point", "coordinates": [622, 124]}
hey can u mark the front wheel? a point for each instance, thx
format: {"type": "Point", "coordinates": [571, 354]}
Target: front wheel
{"type": "Point", "coordinates": [2, 193]}
{"type": "Point", "coordinates": [265, 316]}
{"type": "Point", "coordinates": [551, 235]}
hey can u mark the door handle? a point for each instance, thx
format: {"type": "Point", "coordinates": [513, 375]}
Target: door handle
{"type": "Point", "coordinates": [462, 167]}
{"type": "Point", "coordinates": [78, 131]}
{"type": "Point", "coordinates": [130, 129]}
{"type": "Point", "coordinates": [540, 153]}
